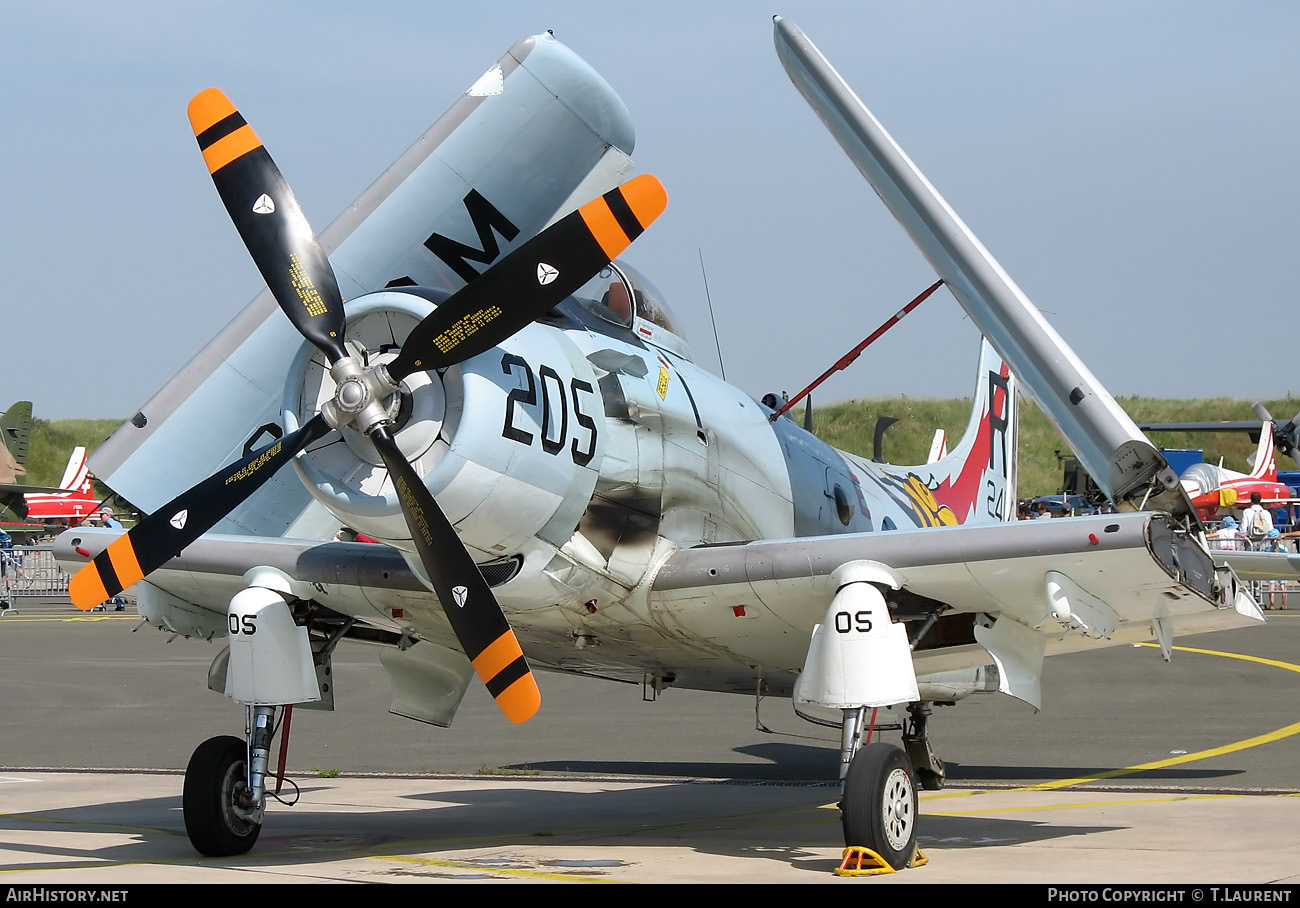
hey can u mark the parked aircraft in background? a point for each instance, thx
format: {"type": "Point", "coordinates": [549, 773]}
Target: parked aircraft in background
{"type": "Point", "coordinates": [15, 430]}
{"type": "Point", "coordinates": [938, 446]}
{"type": "Point", "coordinates": [553, 475]}
{"type": "Point", "coordinates": [1215, 490]}
{"type": "Point", "coordinates": [15, 436]}
{"type": "Point", "coordinates": [72, 505]}
{"type": "Point", "coordinates": [1286, 435]}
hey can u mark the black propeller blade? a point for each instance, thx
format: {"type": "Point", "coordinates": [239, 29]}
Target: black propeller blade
{"type": "Point", "coordinates": [1286, 436]}
{"type": "Point", "coordinates": [269, 221]}
{"type": "Point", "coordinates": [163, 534]}
{"type": "Point", "coordinates": [473, 611]}
{"type": "Point", "coordinates": [523, 285]}
{"type": "Point", "coordinates": [532, 279]}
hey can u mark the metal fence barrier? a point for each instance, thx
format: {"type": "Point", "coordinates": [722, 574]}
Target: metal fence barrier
{"type": "Point", "coordinates": [30, 570]}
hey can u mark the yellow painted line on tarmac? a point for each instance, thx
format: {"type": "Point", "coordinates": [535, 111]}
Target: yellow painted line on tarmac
{"type": "Point", "coordinates": [1272, 663]}
{"type": "Point", "coordinates": [95, 865]}
{"type": "Point", "coordinates": [1267, 738]}
{"type": "Point", "coordinates": [84, 825]}
{"type": "Point", "coordinates": [575, 876]}
{"type": "Point", "coordinates": [1123, 803]}
{"type": "Point", "coordinates": [1285, 732]}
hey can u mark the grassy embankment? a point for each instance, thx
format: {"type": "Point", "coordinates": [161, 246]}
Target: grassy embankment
{"type": "Point", "coordinates": [52, 442]}
{"type": "Point", "coordinates": [850, 426]}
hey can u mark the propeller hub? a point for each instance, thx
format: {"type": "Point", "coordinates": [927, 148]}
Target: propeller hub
{"type": "Point", "coordinates": [362, 397]}
{"type": "Point", "coordinates": [352, 395]}
{"type": "Point", "coordinates": [355, 395]}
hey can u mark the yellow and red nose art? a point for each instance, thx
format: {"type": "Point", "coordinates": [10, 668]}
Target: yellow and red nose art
{"type": "Point", "coordinates": [222, 132]}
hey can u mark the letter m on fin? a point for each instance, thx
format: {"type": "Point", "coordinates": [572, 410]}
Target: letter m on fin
{"type": "Point", "coordinates": [486, 219]}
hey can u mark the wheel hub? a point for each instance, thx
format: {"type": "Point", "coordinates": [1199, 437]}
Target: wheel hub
{"type": "Point", "coordinates": [897, 809]}
{"type": "Point", "coordinates": [241, 814]}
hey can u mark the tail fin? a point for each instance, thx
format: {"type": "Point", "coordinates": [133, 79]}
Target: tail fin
{"type": "Point", "coordinates": [938, 447]}
{"type": "Point", "coordinates": [76, 475]}
{"type": "Point", "coordinates": [1264, 463]}
{"type": "Point", "coordinates": [977, 481]}
{"type": "Point", "coordinates": [15, 432]}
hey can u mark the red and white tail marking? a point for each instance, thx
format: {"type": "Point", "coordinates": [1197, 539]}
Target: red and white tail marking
{"type": "Point", "coordinates": [76, 475]}
{"type": "Point", "coordinates": [976, 480]}
{"type": "Point", "coordinates": [75, 503]}
{"type": "Point", "coordinates": [938, 447]}
{"type": "Point", "coordinates": [1264, 462]}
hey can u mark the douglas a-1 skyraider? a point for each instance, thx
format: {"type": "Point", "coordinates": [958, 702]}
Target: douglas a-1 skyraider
{"type": "Point", "coordinates": [514, 412]}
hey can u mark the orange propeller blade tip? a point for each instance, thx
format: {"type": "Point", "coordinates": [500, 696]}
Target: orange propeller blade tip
{"type": "Point", "coordinates": [521, 700]}
{"type": "Point", "coordinates": [646, 196]}
{"type": "Point", "coordinates": [208, 108]}
{"type": "Point", "coordinates": [86, 588]}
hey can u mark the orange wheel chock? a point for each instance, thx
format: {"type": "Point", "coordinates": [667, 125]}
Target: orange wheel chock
{"type": "Point", "coordinates": [860, 861]}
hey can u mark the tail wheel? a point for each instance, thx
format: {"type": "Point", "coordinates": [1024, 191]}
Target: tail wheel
{"type": "Point", "coordinates": [217, 774]}
{"type": "Point", "coordinates": [879, 808]}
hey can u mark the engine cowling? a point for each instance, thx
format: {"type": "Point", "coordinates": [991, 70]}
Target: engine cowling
{"type": "Point", "coordinates": [508, 441]}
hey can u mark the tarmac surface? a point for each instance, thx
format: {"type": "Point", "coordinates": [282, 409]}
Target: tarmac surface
{"type": "Point", "coordinates": [1136, 772]}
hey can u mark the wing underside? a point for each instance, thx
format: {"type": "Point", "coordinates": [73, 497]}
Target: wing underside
{"type": "Point", "coordinates": [718, 615]}
{"type": "Point", "coordinates": [1133, 570]}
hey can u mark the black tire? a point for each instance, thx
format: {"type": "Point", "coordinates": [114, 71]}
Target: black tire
{"type": "Point", "coordinates": [879, 809]}
{"type": "Point", "coordinates": [930, 780]}
{"type": "Point", "coordinates": [214, 774]}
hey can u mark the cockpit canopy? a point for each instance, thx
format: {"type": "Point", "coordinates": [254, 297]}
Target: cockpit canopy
{"type": "Point", "coordinates": [623, 296]}
{"type": "Point", "coordinates": [1205, 476]}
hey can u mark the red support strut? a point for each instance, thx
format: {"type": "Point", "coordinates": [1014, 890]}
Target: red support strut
{"type": "Point", "coordinates": [284, 747]}
{"type": "Point", "coordinates": [849, 357]}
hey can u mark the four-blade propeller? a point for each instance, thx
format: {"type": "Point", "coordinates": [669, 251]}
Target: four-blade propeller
{"type": "Point", "coordinates": [529, 281]}
{"type": "Point", "coordinates": [1286, 435]}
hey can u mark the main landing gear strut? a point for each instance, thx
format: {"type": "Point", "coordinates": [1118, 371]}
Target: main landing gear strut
{"type": "Point", "coordinates": [859, 658]}
{"type": "Point", "coordinates": [225, 789]}
{"type": "Point", "coordinates": [878, 805]}
{"type": "Point", "coordinates": [270, 666]}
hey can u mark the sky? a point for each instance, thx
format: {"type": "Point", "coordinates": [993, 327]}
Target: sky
{"type": "Point", "coordinates": [1130, 164]}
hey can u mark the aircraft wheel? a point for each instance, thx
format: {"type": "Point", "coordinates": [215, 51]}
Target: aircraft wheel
{"type": "Point", "coordinates": [215, 776]}
{"type": "Point", "coordinates": [879, 809]}
{"type": "Point", "coordinates": [930, 781]}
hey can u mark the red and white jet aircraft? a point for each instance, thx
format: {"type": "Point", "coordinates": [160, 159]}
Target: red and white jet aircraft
{"type": "Point", "coordinates": [74, 504]}
{"type": "Point", "coordinates": [1215, 489]}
